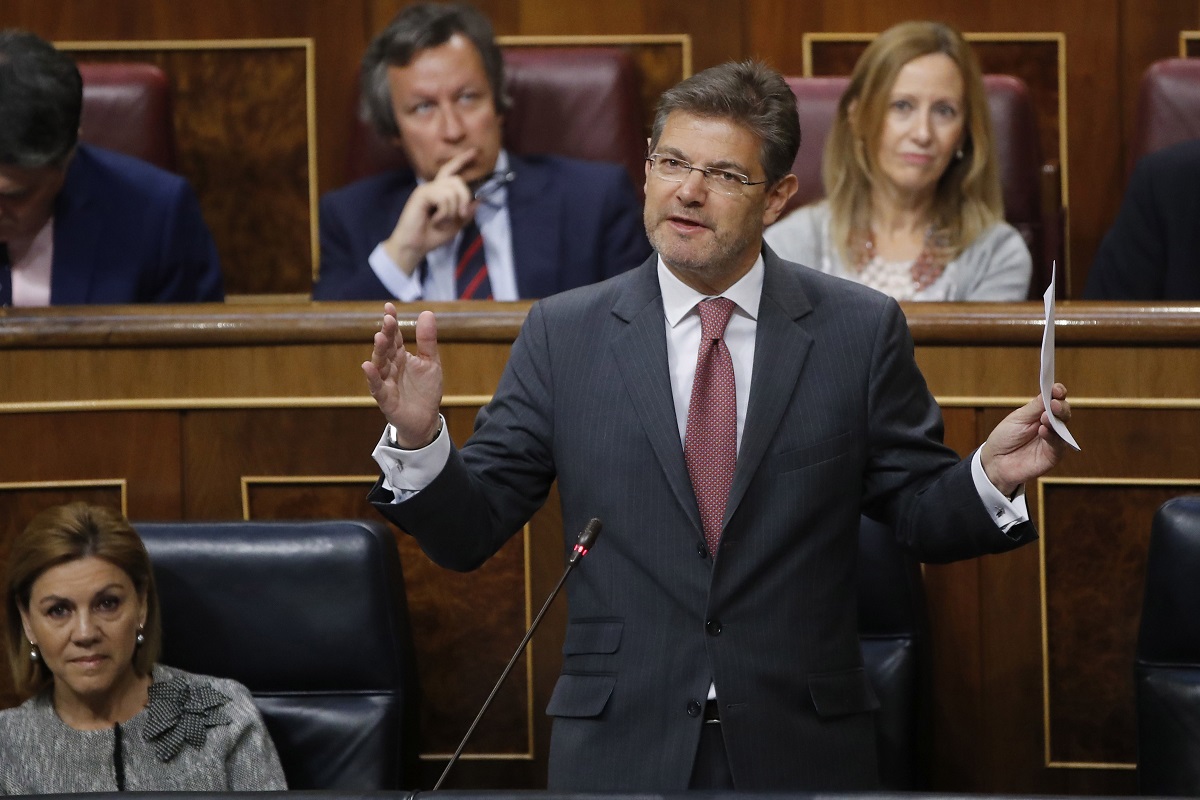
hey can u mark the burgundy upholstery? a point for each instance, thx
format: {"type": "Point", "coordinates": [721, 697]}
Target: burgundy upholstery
{"type": "Point", "coordinates": [1018, 152]}
{"type": "Point", "coordinates": [1168, 110]}
{"type": "Point", "coordinates": [127, 108]}
{"type": "Point", "coordinates": [583, 102]}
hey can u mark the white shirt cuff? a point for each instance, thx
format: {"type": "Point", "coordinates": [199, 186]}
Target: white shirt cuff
{"type": "Point", "coordinates": [405, 288]}
{"type": "Point", "coordinates": [406, 472]}
{"type": "Point", "coordinates": [1004, 512]}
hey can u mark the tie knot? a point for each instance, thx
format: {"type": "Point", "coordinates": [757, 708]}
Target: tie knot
{"type": "Point", "coordinates": [714, 316]}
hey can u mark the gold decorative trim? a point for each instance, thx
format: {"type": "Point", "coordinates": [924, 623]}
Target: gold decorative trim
{"type": "Point", "coordinates": [480, 400]}
{"type": "Point", "coordinates": [1041, 522]}
{"type": "Point", "coordinates": [220, 403]}
{"type": "Point", "coordinates": [310, 93]}
{"type": "Point", "coordinates": [1184, 38]}
{"type": "Point", "coordinates": [285, 480]}
{"type": "Point", "coordinates": [1058, 38]}
{"type": "Point", "coordinates": [95, 483]}
{"type": "Point", "coordinates": [684, 40]}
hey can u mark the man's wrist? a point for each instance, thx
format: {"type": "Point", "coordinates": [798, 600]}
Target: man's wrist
{"type": "Point", "coordinates": [437, 431]}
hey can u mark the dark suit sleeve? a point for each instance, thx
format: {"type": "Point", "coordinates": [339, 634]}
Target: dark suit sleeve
{"type": "Point", "coordinates": [337, 265]}
{"type": "Point", "coordinates": [1132, 258]}
{"type": "Point", "coordinates": [626, 245]}
{"type": "Point", "coordinates": [488, 490]}
{"type": "Point", "coordinates": [191, 269]}
{"type": "Point", "coordinates": [913, 480]}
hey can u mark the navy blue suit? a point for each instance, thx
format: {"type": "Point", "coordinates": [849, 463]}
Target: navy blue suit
{"type": "Point", "coordinates": [1152, 251]}
{"type": "Point", "coordinates": [128, 232]}
{"type": "Point", "coordinates": [574, 223]}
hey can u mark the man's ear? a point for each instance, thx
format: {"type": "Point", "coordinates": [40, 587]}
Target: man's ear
{"type": "Point", "coordinates": [778, 196]}
{"type": "Point", "coordinates": [646, 184]}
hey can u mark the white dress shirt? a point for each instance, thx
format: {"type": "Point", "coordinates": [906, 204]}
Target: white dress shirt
{"type": "Point", "coordinates": [435, 281]}
{"type": "Point", "coordinates": [31, 266]}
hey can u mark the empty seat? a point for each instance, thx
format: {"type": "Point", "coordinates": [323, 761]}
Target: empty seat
{"type": "Point", "coordinates": [127, 108]}
{"type": "Point", "coordinates": [311, 617]}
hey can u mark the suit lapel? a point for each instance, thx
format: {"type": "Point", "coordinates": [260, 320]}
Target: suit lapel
{"type": "Point", "coordinates": [534, 216]}
{"type": "Point", "coordinates": [780, 350]}
{"type": "Point", "coordinates": [76, 235]}
{"type": "Point", "coordinates": [640, 351]}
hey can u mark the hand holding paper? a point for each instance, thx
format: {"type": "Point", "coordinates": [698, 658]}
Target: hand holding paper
{"type": "Point", "coordinates": [1032, 439]}
{"type": "Point", "coordinates": [1047, 375]}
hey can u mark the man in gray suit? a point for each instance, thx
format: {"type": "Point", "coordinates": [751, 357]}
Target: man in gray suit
{"type": "Point", "coordinates": [712, 640]}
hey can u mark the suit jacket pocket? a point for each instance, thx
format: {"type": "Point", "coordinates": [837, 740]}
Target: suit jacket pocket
{"type": "Point", "coordinates": [813, 454]}
{"type": "Point", "coordinates": [580, 695]}
{"type": "Point", "coordinates": [839, 693]}
{"type": "Point", "coordinates": [593, 636]}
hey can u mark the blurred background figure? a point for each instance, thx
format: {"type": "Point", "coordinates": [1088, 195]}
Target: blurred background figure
{"type": "Point", "coordinates": [913, 202]}
{"type": "Point", "coordinates": [469, 220]}
{"type": "Point", "coordinates": [1152, 251]}
{"type": "Point", "coordinates": [80, 224]}
{"type": "Point", "coordinates": [83, 635]}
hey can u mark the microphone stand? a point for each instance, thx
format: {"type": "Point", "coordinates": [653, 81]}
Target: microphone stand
{"type": "Point", "coordinates": [587, 538]}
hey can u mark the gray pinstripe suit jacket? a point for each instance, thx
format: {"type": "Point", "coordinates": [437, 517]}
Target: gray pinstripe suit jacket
{"type": "Point", "coordinates": [839, 422]}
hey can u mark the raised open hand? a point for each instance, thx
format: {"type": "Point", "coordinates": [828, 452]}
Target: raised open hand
{"type": "Point", "coordinates": [406, 386]}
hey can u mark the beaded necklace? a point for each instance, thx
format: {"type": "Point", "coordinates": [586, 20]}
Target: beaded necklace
{"type": "Point", "coordinates": [927, 267]}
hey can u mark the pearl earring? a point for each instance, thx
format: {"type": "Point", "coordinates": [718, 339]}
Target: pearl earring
{"type": "Point", "coordinates": [34, 655]}
{"type": "Point", "coordinates": [959, 154]}
{"type": "Point", "coordinates": [141, 637]}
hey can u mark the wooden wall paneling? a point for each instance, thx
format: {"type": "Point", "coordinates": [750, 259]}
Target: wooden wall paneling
{"type": "Point", "coordinates": [1144, 39]}
{"type": "Point", "coordinates": [245, 128]}
{"type": "Point", "coordinates": [136, 447]}
{"type": "Point", "coordinates": [952, 594]}
{"type": "Point", "coordinates": [1189, 44]}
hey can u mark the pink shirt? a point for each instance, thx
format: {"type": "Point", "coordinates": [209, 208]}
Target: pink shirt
{"type": "Point", "coordinates": [31, 261]}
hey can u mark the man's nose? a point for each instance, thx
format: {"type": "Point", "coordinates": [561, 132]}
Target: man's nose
{"type": "Point", "coordinates": [692, 188]}
{"type": "Point", "coordinates": [453, 129]}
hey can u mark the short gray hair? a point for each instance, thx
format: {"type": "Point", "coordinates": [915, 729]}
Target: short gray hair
{"type": "Point", "coordinates": [416, 28]}
{"type": "Point", "coordinates": [749, 93]}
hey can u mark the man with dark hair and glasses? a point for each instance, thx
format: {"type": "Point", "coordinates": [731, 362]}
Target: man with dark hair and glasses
{"type": "Point", "coordinates": [728, 416]}
{"type": "Point", "coordinates": [469, 220]}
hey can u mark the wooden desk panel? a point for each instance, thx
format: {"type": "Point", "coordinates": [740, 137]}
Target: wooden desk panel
{"type": "Point", "coordinates": [229, 411]}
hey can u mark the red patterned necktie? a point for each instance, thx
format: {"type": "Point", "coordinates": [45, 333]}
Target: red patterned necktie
{"type": "Point", "coordinates": [710, 443]}
{"type": "Point", "coordinates": [471, 273]}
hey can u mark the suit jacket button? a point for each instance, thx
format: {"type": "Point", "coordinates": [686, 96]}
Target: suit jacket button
{"type": "Point", "coordinates": [713, 626]}
{"type": "Point", "coordinates": [694, 707]}
{"type": "Point", "coordinates": [702, 551]}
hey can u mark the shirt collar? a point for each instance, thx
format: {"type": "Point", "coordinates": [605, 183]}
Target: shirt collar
{"type": "Point", "coordinates": [679, 298]}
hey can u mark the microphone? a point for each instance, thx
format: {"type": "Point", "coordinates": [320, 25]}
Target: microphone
{"type": "Point", "coordinates": [587, 538]}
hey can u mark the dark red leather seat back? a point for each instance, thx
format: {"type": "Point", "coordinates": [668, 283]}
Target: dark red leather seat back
{"type": "Point", "coordinates": [127, 108]}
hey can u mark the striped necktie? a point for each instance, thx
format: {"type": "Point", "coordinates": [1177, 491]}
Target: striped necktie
{"type": "Point", "coordinates": [471, 272]}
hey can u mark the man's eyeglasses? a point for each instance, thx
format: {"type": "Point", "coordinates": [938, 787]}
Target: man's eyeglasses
{"type": "Point", "coordinates": [676, 170]}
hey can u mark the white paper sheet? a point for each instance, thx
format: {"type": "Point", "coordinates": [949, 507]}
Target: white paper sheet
{"type": "Point", "coordinates": [1047, 376]}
